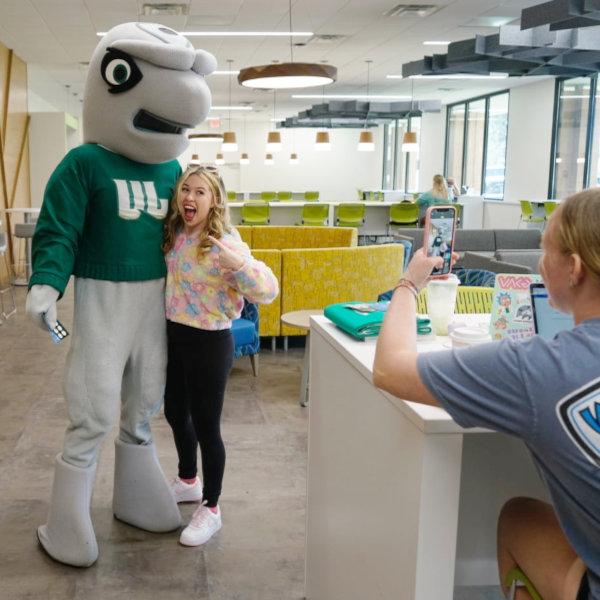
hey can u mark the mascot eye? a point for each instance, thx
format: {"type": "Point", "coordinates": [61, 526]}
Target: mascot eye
{"type": "Point", "coordinates": [119, 70]}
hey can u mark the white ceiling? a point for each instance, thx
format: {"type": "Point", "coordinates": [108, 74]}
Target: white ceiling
{"type": "Point", "coordinates": [57, 37]}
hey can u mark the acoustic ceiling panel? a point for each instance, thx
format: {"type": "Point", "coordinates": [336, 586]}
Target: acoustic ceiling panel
{"type": "Point", "coordinates": [562, 14]}
{"type": "Point", "coordinates": [356, 114]}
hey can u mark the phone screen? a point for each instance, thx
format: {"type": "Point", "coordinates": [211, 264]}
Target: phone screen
{"type": "Point", "coordinates": [440, 236]}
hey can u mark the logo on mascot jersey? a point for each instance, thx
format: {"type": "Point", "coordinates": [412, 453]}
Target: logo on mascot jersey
{"type": "Point", "coordinates": [579, 414]}
{"type": "Point", "coordinates": [136, 197]}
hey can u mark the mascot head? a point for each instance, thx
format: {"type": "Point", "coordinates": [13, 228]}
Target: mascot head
{"type": "Point", "coordinates": [145, 88]}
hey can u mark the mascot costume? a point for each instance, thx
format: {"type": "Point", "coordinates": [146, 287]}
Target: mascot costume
{"type": "Point", "coordinates": [101, 221]}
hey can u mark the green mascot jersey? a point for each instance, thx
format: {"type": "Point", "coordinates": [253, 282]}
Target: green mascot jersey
{"type": "Point", "coordinates": [102, 218]}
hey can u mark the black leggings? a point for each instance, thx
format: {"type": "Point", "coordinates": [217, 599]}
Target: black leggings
{"type": "Point", "coordinates": [199, 362]}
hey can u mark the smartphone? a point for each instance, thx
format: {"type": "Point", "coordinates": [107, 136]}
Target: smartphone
{"type": "Point", "coordinates": [57, 333]}
{"type": "Point", "coordinates": [440, 227]}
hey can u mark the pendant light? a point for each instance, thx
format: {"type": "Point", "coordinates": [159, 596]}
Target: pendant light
{"type": "Point", "coordinates": [294, 160]}
{"type": "Point", "coordinates": [195, 161]}
{"type": "Point", "coordinates": [322, 143]}
{"type": "Point", "coordinates": [287, 75]}
{"type": "Point", "coordinates": [409, 139]}
{"type": "Point", "coordinates": [219, 160]}
{"type": "Point", "coordinates": [269, 159]}
{"type": "Point", "coordinates": [229, 141]}
{"type": "Point", "coordinates": [244, 158]}
{"type": "Point", "coordinates": [274, 137]}
{"type": "Point", "coordinates": [365, 139]}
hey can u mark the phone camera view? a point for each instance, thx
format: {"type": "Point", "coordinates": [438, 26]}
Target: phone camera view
{"type": "Point", "coordinates": [439, 238]}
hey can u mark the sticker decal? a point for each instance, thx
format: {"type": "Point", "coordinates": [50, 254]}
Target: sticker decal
{"type": "Point", "coordinates": [579, 414]}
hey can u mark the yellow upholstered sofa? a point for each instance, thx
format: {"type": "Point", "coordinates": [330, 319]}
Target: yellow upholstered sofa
{"type": "Point", "coordinates": [317, 266]}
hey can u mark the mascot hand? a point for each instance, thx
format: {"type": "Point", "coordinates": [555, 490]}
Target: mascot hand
{"type": "Point", "coordinates": [42, 299]}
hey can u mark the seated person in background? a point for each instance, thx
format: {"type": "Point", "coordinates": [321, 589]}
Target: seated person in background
{"type": "Point", "coordinates": [453, 189]}
{"type": "Point", "coordinates": [438, 194]}
{"type": "Point", "coordinates": [546, 393]}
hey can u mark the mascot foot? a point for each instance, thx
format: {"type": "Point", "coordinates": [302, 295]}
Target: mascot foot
{"type": "Point", "coordinates": [142, 496]}
{"type": "Point", "coordinates": [68, 536]}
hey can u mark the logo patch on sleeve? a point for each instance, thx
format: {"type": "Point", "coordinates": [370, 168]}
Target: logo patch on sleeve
{"type": "Point", "coordinates": [579, 414]}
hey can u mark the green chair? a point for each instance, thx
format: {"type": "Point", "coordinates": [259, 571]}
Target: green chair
{"type": "Point", "coordinates": [350, 214]}
{"type": "Point", "coordinates": [231, 196]}
{"type": "Point", "coordinates": [528, 214]}
{"type": "Point", "coordinates": [311, 196]}
{"type": "Point", "coordinates": [284, 196]}
{"type": "Point", "coordinates": [255, 213]}
{"type": "Point", "coordinates": [404, 214]}
{"type": "Point", "coordinates": [314, 215]}
{"type": "Point", "coordinates": [459, 214]}
{"type": "Point", "coordinates": [268, 196]}
{"type": "Point", "coordinates": [549, 208]}
{"type": "Point", "coordinates": [516, 578]}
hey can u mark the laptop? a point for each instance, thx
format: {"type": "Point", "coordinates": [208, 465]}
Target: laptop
{"type": "Point", "coordinates": [547, 321]}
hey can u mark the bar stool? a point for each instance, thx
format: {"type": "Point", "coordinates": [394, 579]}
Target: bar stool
{"type": "Point", "coordinates": [24, 231]}
{"type": "Point", "coordinates": [6, 286]}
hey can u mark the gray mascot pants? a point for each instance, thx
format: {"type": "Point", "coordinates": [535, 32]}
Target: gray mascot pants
{"type": "Point", "coordinates": [116, 364]}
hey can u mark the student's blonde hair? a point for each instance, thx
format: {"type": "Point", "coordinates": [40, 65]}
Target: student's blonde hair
{"type": "Point", "coordinates": [440, 187]}
{"type": "Point", "coordinates": [217, 221]}
{"type": "Point", "coordinates": [578, 226]}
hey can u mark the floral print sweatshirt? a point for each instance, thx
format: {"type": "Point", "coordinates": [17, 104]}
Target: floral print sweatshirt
{"type": "Point", "coordinates": [203, 295]}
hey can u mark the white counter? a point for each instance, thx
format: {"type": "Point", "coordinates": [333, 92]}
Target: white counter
{"type": "Point", "coordinates": [401, 503]}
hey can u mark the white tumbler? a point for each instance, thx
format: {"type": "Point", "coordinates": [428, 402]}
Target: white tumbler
{"type": "Point", "coordinates": [441, 299]}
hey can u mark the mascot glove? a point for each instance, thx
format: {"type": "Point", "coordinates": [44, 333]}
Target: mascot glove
{"type": "Point", "coordinates": [42, 300]}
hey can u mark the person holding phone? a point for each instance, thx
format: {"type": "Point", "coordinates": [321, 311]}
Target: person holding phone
{"type": "Point", "coordinates": [440, 225]}
{"type": "Point", "coordinates": [545, 392]}
{"type": "Point", "coordinates": [209, 273]}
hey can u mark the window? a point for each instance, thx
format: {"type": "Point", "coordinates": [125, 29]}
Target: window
{"type": "Point", "coordinates": [495, 149]}
{"type": "Point", "coordinates": [575, 103]}
{"type": "Point", "coordinates": [474, 145]}
{"type": "Point", "coordinates": [412, 158]}
{"type": "Point", "coordinates": [455, 141]}
{"type": "Point", "coordinates": [476, 133]}
{"type": "Point", "coordinates": [400, 169]}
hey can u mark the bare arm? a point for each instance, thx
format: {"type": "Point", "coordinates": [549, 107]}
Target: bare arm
{"type": "Point", "coordinates": [395, 366]}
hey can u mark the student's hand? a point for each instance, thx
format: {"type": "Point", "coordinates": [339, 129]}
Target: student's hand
{"type": "Point", "coordinates": [228, 259]}
{"type": "Point", "coordinates": [420, 267]}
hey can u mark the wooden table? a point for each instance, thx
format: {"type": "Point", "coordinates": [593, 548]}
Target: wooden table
{"type": "Point", "coordinates": [301, 319]}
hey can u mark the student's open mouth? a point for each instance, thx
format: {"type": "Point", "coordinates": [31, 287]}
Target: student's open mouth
{"type": "Point", "coordinates": [146, 121]}
{"type": "Point", "coordinates": [189, 212]}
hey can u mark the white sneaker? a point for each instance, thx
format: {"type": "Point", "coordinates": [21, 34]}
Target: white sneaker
{"type": "Point", "coordinates": [204, 524]}
{"type": "Point", "coordinates": [186, 492]}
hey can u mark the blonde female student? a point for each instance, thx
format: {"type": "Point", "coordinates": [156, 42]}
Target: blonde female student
{"type": "Point", "coordinates": [209, 273]}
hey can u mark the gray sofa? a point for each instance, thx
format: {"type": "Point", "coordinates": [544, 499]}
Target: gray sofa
{"type": "Point", "coordinates": [496, 250]}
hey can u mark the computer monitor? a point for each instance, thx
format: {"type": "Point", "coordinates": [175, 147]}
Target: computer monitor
{"type": "Point", "coordinates": [547, 320]}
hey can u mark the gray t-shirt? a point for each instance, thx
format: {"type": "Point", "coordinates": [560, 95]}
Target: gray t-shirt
{"type": "Point", "coordinates": [547, 394]}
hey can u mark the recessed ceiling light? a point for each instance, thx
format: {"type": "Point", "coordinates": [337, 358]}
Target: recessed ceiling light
{"type": "Point", "coordinates": [458, 76]}
{"type": "Point", "coordinates": [240, 107]}
{"type": "Point", "coordinates": [435, 43]}
{"type": "Point", "coordinates": [239, 33]}
{"type": "Point", "coordinates": [351, 96]}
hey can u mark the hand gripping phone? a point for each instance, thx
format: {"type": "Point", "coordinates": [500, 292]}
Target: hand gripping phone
{"type": "Point", "coordinates": [58, 333]}
{"type": "Point", "coordinates": [438, 240]}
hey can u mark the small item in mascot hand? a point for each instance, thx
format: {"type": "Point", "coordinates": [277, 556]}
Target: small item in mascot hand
{"type": "Point", "coordinates": [58, 332]}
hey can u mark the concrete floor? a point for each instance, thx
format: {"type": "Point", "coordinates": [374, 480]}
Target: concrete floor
{"type": "Point", "coordinates": [259, 553]}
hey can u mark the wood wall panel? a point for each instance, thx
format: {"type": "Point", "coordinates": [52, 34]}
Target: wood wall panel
{"type": "Point", "coordinates": [14, 121]}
